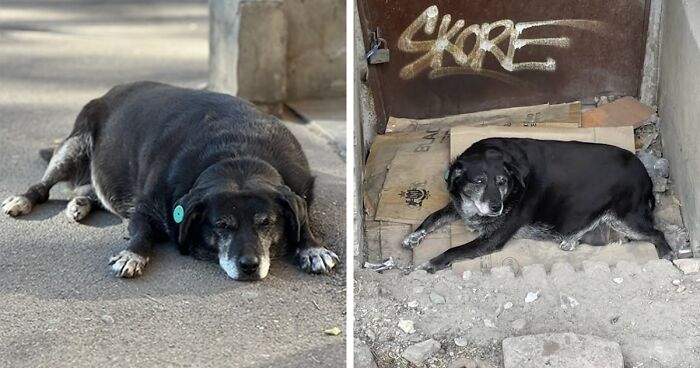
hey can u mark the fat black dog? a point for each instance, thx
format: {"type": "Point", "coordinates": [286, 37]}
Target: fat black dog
{"type": "Point", "coordinates": [548, 190]}
{"type": "Point", "coordinates": [205, 170]}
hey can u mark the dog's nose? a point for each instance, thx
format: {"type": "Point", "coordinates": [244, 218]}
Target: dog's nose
{"type": "Point", "coordinates": [495, 207]}
{"type": "Point", "coordinates": [248, 264]}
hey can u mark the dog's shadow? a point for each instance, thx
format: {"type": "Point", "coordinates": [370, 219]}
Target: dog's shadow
{"type": "Point", "coordinates": [97, 218]}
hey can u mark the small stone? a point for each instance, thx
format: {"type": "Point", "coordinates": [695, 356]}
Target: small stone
{"type": "Point", "coordinates": [437, 298]}
{"type": "Point", "coordinates": [676, 282]}
{"type": "Point", "coordinates": [461, 341]}
{"type": "Point", "coordinates": [681, 288]}
{"type": "Point", "coordinates": [531, 297]}
{"type": "Point", "coordinates": [421, 351]}
{"type": "Point", "coordinates": [518, 324]}
{"type": "Point", "coordinates": [508, 305]}
{"type": "Point", "coordinates": [567, 302]}
{"type": "Point", "coordinates": [688, 266]}
{"type": "Point", "coordinates": [618, 280]}
{"type": "Point", "coordinates": [660, 184]}
{"type": "Point", "coordinates": [466, 275]}
{"type": "Point", "coordinates": [488, 323]}
{"type": "Point", "coordinates": [662, 167]}
{"type": "Point", "coordinates": [464, 363]}
{"type": "Point", "coordinates": [106, 318]}
{"type": "Point", "coordinates": [406, 326]}
{"type": "Point", "coordinates": [413, 304]}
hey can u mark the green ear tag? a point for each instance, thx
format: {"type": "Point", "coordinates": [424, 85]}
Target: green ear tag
{"type": "Point", "coordinates": [178, 214]}
{"type": "Point", "coordinates": [447, 174]}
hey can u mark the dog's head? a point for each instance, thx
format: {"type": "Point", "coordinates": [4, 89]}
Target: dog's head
{"type": "Point", "coordinates": [241, 229]}
{"type": "Point", "coordinates": [480, 182]}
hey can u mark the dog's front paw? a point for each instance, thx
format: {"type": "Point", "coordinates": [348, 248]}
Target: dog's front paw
{"type": "Point", "coordinates": [16, 205]}
{"type": "Point", "coordinates": [78, 208]}
{"type": "Point", "coordinates": [317, 260]}
{"type": "Point", "coordinates": [568, 245]}
{"type": "Point", "coordinates": [413, 239]}
{"type": "Point", "coordinates": [433, 267]}
{"type": "Point", "coordinates": [128, 264]}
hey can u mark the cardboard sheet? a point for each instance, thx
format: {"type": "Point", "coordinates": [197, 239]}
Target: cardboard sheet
{"type": "Point", "coordinates": [391, 234]}
{"type": "Point", "coordinates": [626, 111]}
{"type": "Point", "coordinates": [415, 185]}
{"type": "Point", "coordinates": [384, 150]}
{"type": "Point", "coordinates": [566, 115]}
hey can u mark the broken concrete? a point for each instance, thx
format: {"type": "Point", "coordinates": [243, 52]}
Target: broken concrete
{"type": "Point", "coordinates": [688, 266]}
{"type": "Point", "coordinates": [561, 350]}
{"type": "Point", "coordinates": [473, 321]}
{"type": "Point", "coordinates": [419, 352]}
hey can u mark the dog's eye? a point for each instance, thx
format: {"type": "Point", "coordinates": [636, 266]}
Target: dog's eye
{"type": "Point", "coordinates": [265, 221]}
{"type": "Point", "coordinates": [479, 181]}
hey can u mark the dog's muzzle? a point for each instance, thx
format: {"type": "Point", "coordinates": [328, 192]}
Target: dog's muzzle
{"type": "Point", "coordinates": [246, 268]}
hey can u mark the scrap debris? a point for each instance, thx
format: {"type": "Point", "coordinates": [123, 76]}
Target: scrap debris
{"type": "Point", "coordinates": [335, 331]}
{"type": "Point", "coordinates": [378, 267]}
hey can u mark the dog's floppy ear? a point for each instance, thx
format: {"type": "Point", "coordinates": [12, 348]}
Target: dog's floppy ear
{"type": "Point", "coordinates": [455, 172]}
{"type": "Point", "coordinates": [186, 212]}
{"type": "Point", "coordinates": [516, 169]}
{"type": "Point", "coordinates": [295, 213]}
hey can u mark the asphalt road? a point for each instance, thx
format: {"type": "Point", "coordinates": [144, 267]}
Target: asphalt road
{"type": "Point", "coordinates": [60, 306]}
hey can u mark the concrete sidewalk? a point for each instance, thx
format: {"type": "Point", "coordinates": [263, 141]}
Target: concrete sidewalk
{"type": "Point", "coordinates": [60, 305]}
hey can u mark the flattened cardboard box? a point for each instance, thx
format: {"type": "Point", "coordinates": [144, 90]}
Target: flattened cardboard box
{"type": "Point", "coordinates": [383, 151]}
{"type": "Point", "coordinates": [415, 186]}
{"type": "Point", "coordinates": [566, 115]}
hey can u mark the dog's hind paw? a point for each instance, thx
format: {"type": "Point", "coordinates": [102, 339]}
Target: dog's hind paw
{"type": "Point", "coordinates": [413, 239]}
{"type": "Point", "coordinates": [568, 245]}
{"type": "Point", "coordinates": [78, 208]}
{"type": "Point", "coordinates": [16, 205]}
{"type": "Point", "coordinates": [128, 264]}
{"type": "Point", "coordinates": [317, 260]}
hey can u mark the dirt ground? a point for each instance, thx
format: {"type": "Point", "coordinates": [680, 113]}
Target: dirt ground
{"type": "Point", "coordinates": [647, 309]}
{"type": "Point", "coordinates": [60, 306]}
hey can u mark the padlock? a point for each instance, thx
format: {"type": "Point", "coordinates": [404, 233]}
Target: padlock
{"type": "Point", "coordinates": [379, 54]}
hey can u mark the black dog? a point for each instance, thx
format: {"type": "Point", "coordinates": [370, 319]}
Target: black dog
{"type": "Point", "coordinates": [548, 190]}
{"type": "Point", "coordinates": [204, 170]}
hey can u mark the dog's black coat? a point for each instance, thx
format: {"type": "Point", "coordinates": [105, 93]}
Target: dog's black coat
{"type": "Point", "coordinates": [555, 190]}
{"type": "Point", "coordinates": [144, 148]}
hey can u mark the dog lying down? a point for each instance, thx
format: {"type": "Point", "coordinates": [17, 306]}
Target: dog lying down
{"type": "Point", "coordinates": [201, 169]}
{"type": "Point", "coordinates": [548, 190]}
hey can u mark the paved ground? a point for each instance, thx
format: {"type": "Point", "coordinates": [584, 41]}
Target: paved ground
{"type": "Point", "coordinates": [649, 309]}
{"type": "Point", "coordinates": [59, 304]}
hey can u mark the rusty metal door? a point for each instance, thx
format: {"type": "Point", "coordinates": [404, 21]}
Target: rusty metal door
{"type": "Point", "coordinates": [455, 56]}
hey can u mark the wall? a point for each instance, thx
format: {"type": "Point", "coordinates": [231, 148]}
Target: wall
{"type": "Point", "coordinates": [271, 51]}
{"type": "Point", "coordinates": [316, 48]}
{"type": "Point", "coordinates": [679, 105]}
